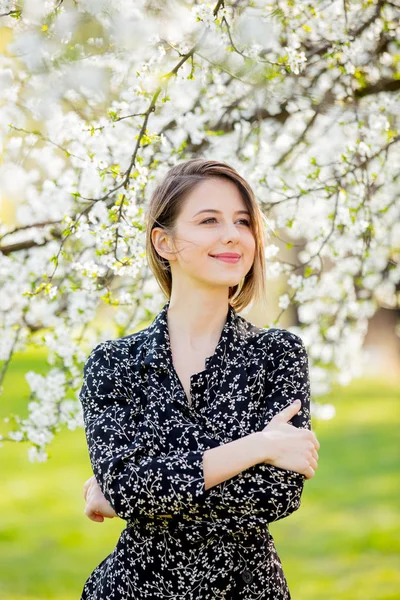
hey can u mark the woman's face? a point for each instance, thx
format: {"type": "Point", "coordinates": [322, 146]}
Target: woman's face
{"type": "Point", "coordinates": [214, 220]}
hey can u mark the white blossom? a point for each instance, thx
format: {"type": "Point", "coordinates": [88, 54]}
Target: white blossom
{"type": "Point", "coordinates": [319, 148]}
{"type": "Point", "coordinates": [284, 301]}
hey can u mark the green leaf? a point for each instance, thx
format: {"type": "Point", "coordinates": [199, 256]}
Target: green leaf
{"type": "Point", "coordinates": [216, 132]}
{"type": "Point", "coordinates": [308, 271]}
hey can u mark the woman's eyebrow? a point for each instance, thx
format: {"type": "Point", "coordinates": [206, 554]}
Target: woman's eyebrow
{"type": "Point", "coordinates": [219, 212]}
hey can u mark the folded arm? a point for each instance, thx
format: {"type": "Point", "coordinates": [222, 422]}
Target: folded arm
{"type": "Point", "coordinates": [262, 488]}
{"type": "Point", "coordinates": [133, 482]}
{"type": "Point", "coordinates": [137, 484]}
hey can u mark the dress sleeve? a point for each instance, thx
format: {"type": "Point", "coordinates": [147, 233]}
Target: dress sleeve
{"type": "Point", "coordinates": [264, 489]}
{"type": "Point", "coordinates": [133, 482]}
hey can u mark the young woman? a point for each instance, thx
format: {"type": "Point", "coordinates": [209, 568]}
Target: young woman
{"type": "Point", "coordinates": [187, 420]}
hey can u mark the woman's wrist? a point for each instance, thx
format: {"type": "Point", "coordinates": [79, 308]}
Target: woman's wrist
{"type": "Point", "coordinates": [227, 460]}
{"type": "Point", "coordinates": [264, 447]}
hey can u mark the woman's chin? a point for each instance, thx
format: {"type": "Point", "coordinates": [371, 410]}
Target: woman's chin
{"type": "Point", "coordinates": [224, 281]}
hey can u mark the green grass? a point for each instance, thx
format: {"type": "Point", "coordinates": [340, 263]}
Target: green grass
{"type": "Point", "coordinates": [343, 543]}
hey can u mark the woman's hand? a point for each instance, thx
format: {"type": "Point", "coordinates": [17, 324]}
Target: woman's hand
{"type": "Point", "coordinates": [290, 447]}
{"type": "Point", "coordinates": [97, 507]}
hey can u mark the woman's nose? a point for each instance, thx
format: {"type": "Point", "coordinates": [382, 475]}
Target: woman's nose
{"type": "Point", "coordinates": [230, 233]}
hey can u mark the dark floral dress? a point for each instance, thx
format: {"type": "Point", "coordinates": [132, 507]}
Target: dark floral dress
{"type": "Point", "coordinates": [146, 446]}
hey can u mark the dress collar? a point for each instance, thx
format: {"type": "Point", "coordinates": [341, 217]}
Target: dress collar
{"type": "Point", "coordinates": [157, 348]}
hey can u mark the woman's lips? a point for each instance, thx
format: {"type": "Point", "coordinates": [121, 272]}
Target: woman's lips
{"type": "Point", "coordinates": [228, 259]}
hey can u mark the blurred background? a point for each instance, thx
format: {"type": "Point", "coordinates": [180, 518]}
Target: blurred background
{"type": "Point", "coordinates": [343, 542]}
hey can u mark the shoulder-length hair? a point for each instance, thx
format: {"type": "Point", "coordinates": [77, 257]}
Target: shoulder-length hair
{"type": "Point", "coordinates": [163, 210]}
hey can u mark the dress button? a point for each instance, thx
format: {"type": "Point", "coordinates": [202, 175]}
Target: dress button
{"type": "Point", "coordinates": [247, 576]}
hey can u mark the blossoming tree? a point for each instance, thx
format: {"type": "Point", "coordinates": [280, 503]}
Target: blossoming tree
{"type": "Point", "coordinates": [99, 98]}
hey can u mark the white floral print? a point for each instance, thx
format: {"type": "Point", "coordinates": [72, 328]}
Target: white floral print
{"type": "Point", "coordinates": [146, 445]}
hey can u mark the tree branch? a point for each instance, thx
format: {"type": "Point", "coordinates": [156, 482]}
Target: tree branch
{"type": "Point", "coordinates": [384, 85]}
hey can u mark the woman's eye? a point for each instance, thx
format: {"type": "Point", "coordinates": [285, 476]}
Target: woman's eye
{"type": "Point", "coordinates": [245, 221]}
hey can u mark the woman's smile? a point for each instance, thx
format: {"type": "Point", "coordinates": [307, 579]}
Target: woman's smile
{"type": "Point", "coordinates": [227, 259]}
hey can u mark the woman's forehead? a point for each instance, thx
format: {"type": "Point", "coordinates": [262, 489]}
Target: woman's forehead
{"type": "Point", "coordinates": [212, 194]}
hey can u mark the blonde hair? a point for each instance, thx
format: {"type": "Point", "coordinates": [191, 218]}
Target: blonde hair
{"type": "Point", "coordinates": [165, 205]}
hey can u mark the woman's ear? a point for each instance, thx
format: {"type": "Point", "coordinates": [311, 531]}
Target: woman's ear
{"type": "Point", "coordinates": [162, 243]}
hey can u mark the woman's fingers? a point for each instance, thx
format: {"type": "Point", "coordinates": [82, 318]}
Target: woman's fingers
{"type": "Point", "coordinates": [98, 517]}
{"type": "Point", "coordinates": [309, 472]}
{"type": "Point", "coordinates": [97, 507]}
{"type": "Point", "coordinates": [290, 411]}
{"type": "Point", "coordinates": [88, 495]}
{"type": "Point", "coordinates": [85, 490]}
{"type": "Point", "coordinates": [93, 515]}
{"type": "Point", "coordinates": [86, 486]}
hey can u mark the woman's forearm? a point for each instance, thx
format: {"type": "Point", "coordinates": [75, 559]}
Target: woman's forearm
{"type": "Point", "coordinates": [219, 464]}
{"type": "Point", "coordinates": [226, 461]}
